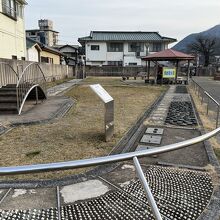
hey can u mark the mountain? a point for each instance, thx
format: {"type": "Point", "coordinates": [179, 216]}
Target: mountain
{"type": "Point", "coordinates": [213, 32]}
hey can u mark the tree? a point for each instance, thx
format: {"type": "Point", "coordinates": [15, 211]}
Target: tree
{"type": "Point", "coordinates": [204, 46]}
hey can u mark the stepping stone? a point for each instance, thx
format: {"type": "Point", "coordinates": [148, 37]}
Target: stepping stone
{"type": "Point", "coordinates": [143, 147]}
{"type": "Point", "coordinates": [154, 131]}
{"type": "Point", "coordinates": [151, 139]}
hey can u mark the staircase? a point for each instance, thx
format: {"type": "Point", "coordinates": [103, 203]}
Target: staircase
{"type": "Point", "coordinates": [15, 89]}
{"type": "Point", "coordinates": [8, 100]}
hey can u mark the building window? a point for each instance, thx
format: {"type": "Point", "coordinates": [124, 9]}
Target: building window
{"type": "Point", "coordinates": [115, 47]}
{"type": "Point", "coordinates": [157, 47]}
{"type": "Point", "coordinates": [135, 47]}
{"type": "Point", "coordinates": [115, 63]}
{"type": "Point", "coordinates": [44, 59]}
{"type": "Point", "coordinates": [47, 60]}
{"type": "Point", "coordinates": [132, 64]}
{"type": "Point", "coordinates": [94, 47]}
{"type": "Point", "coordinates": [14, 57]}
{"type": "Point", "coordinates": [19, 10]}
{"type": "Point", "coordinates": [9, 8]}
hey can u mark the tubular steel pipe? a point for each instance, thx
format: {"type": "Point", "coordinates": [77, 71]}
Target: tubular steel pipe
{"type": "Point", "coordinates": [103, 160]}
{"type": "Point", "coordinates": [147, 189]}
{"type": "Point", "coordinates": [218, 112]}
{"type": "Point", "coordinates": [217, 103]}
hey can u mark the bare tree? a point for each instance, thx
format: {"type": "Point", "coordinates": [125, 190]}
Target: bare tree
{"type": "Point", "coordinates": [204, 46]}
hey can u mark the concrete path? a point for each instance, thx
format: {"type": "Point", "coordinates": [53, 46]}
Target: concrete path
{"type": "Point", "coordinates": [182, 185]}
{"type": "Point", "coordinates": [59, 89]}
{"type": "Point", "coordinates": [54, 107]}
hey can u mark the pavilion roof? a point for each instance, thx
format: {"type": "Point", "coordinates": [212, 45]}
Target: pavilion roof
{"type": "Point", "coordinates": [168, 55]}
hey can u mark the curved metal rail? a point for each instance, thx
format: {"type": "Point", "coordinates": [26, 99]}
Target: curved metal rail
{"type": "Point", "coordinates": [103, 160]}
{"type": "Point", "coordinates": [31, 76]}
{"type": "Point", "coordinates": [7, 75]}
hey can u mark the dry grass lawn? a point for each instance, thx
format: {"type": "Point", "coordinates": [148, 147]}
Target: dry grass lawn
{"type": "Point", "coordinates": [58, 82]}
{"type": "Point", "coordinates": [209, 121]}
{"type": "Point", "coordinates": [80, 133]}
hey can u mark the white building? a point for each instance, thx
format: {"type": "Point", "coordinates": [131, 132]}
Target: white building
{"type": "Point", "coordinates": [33, 50]}
{"type": "Point", "coordinates": [122, 48]}
{"type": "Point", "coordinates": [12, 31]}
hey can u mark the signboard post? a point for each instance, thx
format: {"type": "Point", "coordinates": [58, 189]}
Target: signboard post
{"type": "Point", "coordinates": [169, 73]}
{"type": "Point", "coordinates": [109, 110]}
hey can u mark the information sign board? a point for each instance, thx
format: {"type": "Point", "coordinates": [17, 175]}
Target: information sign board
{"type": "Point", "coordinates": [169, 73]}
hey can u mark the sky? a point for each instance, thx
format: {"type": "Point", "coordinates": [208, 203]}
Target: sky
{"type": "Point", "coordinates": [171, 18]}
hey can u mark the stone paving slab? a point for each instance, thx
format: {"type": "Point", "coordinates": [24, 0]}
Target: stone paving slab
{"type": "Point", "coordinates": [56, 90]}
{"type": "Point", "coordinates": [83, 191]}
{"type": "Point", "coordinates": [29, 199]}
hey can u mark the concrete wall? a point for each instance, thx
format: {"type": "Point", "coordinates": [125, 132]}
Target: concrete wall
{"type": "Point", "coordinates": [12, 37]}
{"type": "Point", "coordinates": [51, 71]}
{"type": "Point", "coordinates": [116, 71]}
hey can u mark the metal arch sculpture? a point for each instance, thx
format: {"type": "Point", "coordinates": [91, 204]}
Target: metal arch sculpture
{"type": "Point", "coordinates": [31, 78]}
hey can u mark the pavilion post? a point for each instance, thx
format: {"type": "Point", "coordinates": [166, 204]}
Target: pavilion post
{"type": "Point", "coordinates": [188, 71]}
{"type": "Point", "coordinates": [156, 71]}
{"type": "Point", "coordinates": [148, 70]}
{"type": "Point", "coordinates": [177, 70]}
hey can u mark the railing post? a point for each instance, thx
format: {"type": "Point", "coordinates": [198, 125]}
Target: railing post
{"type": "Point", "coordinates": [202, 98]}
{"type": "Point", "coordinates": [36, 90]}
{"type": "Point", "coordinates": [208, 106]}
{"type": "Point", "coordinates": [147, 190]}
{"type": "Point", "coordinates": [218, 112]}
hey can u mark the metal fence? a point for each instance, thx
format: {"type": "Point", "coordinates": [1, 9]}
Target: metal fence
{"type": "Point", "coordinates": [202, 93]}
{"type": "Point", "coordinates": [112, 159]}
{"type": "Point", "coordinates": [7, 75]}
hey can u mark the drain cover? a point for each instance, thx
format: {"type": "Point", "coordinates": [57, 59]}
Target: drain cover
{"type": "Point", "coordinates": [154, 131]}
{"type": "Point", "coordinates": [151, 139]}
{"type": "Point", "coordinates": [143, 147]}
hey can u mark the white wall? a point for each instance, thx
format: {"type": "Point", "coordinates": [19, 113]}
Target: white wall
{"type": "Point", "coordinates": [96, 55]}
{"type": "Point", "coordinates": [33, 54]}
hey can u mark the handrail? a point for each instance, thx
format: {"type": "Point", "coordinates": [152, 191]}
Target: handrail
{"type": "Point", "coordinates": [210, 97]}
{"type": "Point", "coordinates": [7, 74]}
{"type": "Point", "coordinates": [217, 103]}
{"type": "Point", "coordinates": [31, 76]}
{"type": "Point", "coordinates": [103, 160]}
{"type": "Point", "coordinates": [25, 70]}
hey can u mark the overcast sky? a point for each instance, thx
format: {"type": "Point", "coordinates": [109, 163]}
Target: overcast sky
{"type": "Point", "coordinates": [76, 18]}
